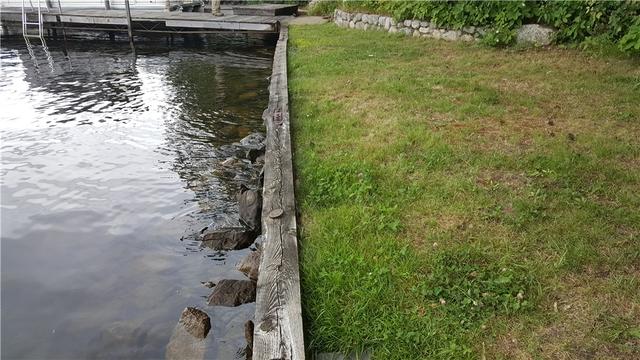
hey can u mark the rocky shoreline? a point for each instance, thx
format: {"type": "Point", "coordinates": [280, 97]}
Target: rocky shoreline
{"type": "Point", "coordinates": [246, 156]}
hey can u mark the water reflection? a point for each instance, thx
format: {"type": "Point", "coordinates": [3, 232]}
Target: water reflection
{"type": "Point", "coordinates": [106, 167]}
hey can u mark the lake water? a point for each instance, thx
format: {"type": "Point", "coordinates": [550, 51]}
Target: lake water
{"type": "Point", "coordinates": [110, 168]}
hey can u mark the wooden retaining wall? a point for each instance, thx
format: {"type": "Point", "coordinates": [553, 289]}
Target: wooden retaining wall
{"type": "Point", "coordinates": [278, 329]}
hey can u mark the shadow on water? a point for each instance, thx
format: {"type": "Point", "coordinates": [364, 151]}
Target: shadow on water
{"type": "Point", "coordinates": [110, 167]}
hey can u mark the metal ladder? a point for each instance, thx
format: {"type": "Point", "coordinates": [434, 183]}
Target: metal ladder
{"type": "Point", "coordinates": [40, 24]}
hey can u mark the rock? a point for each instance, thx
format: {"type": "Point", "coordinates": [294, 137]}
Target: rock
{"type": "Point", "coordinates": [357, 17]}
{"type": "Point", "coordinates": [407, 31]}
{"type": "Point", "coordinates": [415, 24]}
{"type": "Point", "coordinates": [208, 284]}
{"type": "Point", "coordinates": [248, 336]}
{"type": "Point", "coordinates": [451, 35]}
{"type": "Point", "coordinates": [250, 205]}
{"type": "Point", "coordinates": [230, 161]}
{"type": "Point", "coordinates": [252, 154]}
{"type": "Point", "coordinates": [424, 30]}
{"type": "Point", "coordinates": [387, 23]}
{"type": "Point", "coordinates": [250, 264]}
{"type": "Point", "coordinates": [183, 345]}
{"type": "Point", "coordinates": [534, 34]}
{"type": "Point", "coordinates": [436, 34]}
{"type": "Point", "coordinates": [352, 24]}
{"type": "Point", "coordinates": [196, 322]}
{"type": "Point", "coordinates": [253, 141]}
{"type": "Point", "coordinates": [233, 293]}
{"type": "Point", "coordinates": [365, 27]}
{"type": "Point", "coordinates": [382, 20]}
{"type": "Point", "coordinates": [416, 33]}
{"type": "Point", "coordinates": [393, 30]}
{"type": "Point", "coordinates": [392, 21]}
{"type": "Point", "coordinates": [229, 239]}
{"type": "Point", "coordinates": [424, 24]}
{"type": "Point", "coordinates": [469, 29]}
{"type": "Point", "coordinates": [467, 38]}
{"type": "Point", "coordinates": [480, 32]}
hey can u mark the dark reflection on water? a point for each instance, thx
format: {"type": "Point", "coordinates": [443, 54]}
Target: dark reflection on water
{"type": "Point", "coordinates": [109, 169]}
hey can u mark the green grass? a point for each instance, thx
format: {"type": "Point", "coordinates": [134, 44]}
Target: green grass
{"type": "Point", "coordinates": [465, 202]}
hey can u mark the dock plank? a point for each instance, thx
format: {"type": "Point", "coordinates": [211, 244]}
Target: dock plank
{"type": "Point", "coordinates": [175, 19]}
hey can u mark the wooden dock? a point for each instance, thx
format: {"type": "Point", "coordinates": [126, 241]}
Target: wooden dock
{"type": "Point", "coordinates": [148, 21]}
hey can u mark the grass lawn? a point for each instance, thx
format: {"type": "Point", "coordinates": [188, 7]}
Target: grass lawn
{"type": "Point", "coordinates": [465, 202]}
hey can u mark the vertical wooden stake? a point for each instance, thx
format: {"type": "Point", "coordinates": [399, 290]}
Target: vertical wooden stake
{"type": "Point", "coordinates": [129, 26]}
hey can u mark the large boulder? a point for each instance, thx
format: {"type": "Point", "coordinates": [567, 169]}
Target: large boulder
{"type": "Point", "coordinates": [250, 206]}
{"type": "Point", "coordinates": [534, 34]}
{"type": "Point", "coordinates": [229, 239]}
{"type": "Point", "coordinates": [251, 264]}
{"type": "Point", "coordinates": [233, 293]}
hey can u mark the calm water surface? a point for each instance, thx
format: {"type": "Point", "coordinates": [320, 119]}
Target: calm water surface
{"type": "Point", "coordinates": [110, 168]}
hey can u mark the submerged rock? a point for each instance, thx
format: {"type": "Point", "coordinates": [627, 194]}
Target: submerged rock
{"type": "Point", "coordinates": [253, 154]}
{"type": "Point", "coordinates": [196, 322]}
{"type": "Point", "coordinates": [253, 141]}
{"type": "Point", "coordinates": [250, 204]}
{"type": "Point", "coordinates": [229, 239]}
{"type": "Point", "coordinates": [233, 293]}
{"type": "Point", "coordinates": [250, 264]}
{"type": "Point", "coordinates": [184, 345]}
{"type": "Point", "coordinates": [230, 161]}
{"type": "Point", "coordinates": [248, 335]}
{"type": "Point", "coordinates": [208, 284]}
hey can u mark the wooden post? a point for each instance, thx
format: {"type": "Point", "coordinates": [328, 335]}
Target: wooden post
{"type": "Point", "coordinates": [107, 5]}
{"type": "Point", "coordinates": [215, 8]}
{"type": "Point", "coordinates": [129, 26]}
{"type": "Point", "coordinates": [278, 329]}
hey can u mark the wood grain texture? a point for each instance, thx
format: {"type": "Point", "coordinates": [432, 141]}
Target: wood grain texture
{"type": "Point", "coordinates": [278, 330]}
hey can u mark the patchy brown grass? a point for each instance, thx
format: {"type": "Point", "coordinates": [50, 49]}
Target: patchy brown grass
{"type": "Point", "coordinates": [525, 160]}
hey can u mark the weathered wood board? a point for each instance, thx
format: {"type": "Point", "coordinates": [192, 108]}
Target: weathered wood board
{"type": "Point", "coordinates": [175, 19]}
{"type": "Point", "coordinates": [278, 331]}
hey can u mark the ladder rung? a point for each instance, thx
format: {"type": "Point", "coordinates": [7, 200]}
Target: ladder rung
{"type": "Point", "coordinates": [31, 23]}
{"type": "Point", "coordinates": [31, 35]}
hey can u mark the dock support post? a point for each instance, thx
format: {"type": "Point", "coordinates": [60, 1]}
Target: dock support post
{"type": "Point", "coordinates": [129, 26]}
{"type": "Point", "coordinates": [107, 5]}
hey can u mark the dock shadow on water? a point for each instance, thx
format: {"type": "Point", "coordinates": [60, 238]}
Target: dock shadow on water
{"type": "Point", "coordinates": [111, 169]}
